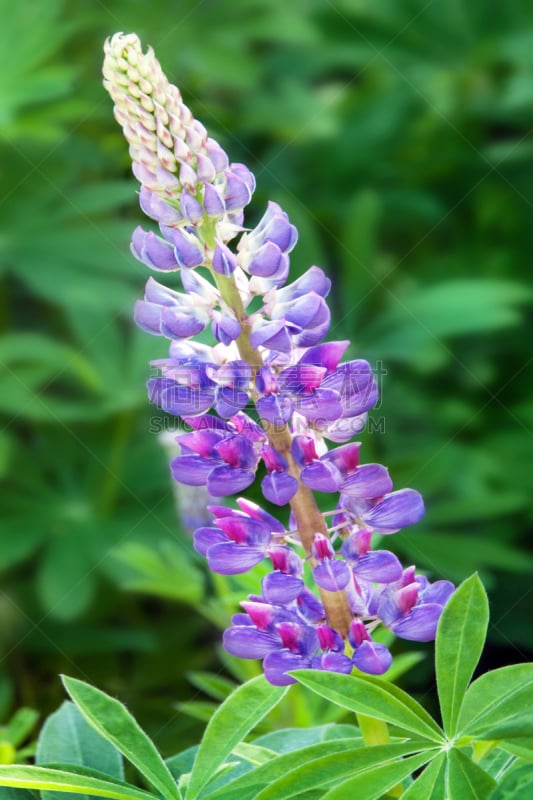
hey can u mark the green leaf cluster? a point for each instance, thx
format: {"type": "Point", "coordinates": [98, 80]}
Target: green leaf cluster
{"type": "Point", "coordinates": [481, 750]}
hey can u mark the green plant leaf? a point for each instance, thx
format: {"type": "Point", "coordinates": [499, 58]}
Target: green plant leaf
{"type": "Point", "coordinates": [165, 571]}
{"type": "Point", "coordinates": [517, 784]}
{"type": "Point", "coordinates": [289, 739]}
{"type": "Point", "coordinates": [66, 581]}
{"type": "Point", "coordinates": [521, 747]}
{"type": "Point", "coordinates": [114, 722]}
{"type": "Point", "coordinates": [373, 697]}
{"type": "Point", "coordinates": [467, 781]}
{"type": "Point", "coordinates": [67, 738]}
{"type": "Point", "coordinates": [329, 770]}
{"type": "Point", "coordinates": [197, 709]}
{"type": "Point", "coordinates": [230, 723]}
{"type": "Point", "coordinates": [16, 794]}
{"type": "Point", "coordinates": [253, 753]}
{"type": "Point", "coordinates": [431, 784]}
{"type": "Point", "coordinates": [212, 685]}
{"type": "Point", "coordinates": [371, 784]}
{"type": "Point", "coordinates": [431, 312]}
{"type": "Point", "coordinates": [460, 637]}
{"type": "Point", "coordinates": [279, 767]}
{"type": "Point", "coordinates": [26, 777]}
{"type": "Point", "coordinates": [502, 696]}
{"type": "Point", "coordinates": [20, 725]}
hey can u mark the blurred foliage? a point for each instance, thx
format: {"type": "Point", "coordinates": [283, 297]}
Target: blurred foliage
{"type": "Point", "coordinates": [398, 137]}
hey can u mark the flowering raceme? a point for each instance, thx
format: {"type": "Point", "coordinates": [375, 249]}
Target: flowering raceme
{"type": "Point", "coordinates": [269, 394]}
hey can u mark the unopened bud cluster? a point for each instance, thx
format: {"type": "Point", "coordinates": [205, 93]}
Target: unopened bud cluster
{"type": "Point", "coordinates": [266, 395]}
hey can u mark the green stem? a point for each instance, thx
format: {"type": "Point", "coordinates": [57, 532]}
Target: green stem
{"type": "Point", "coordinates": [309, 520]}
{"type": "Point", "coordinates": [375, 731]}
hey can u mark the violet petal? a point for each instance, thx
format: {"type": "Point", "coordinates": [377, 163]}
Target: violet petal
{"type": "Point", "coordinates": [191, 470]}
{"type": "Point", "coordinates": [226, 480]}
{"type": "Point", "coordinates": [420, 625]}
{"type": "Point", "coordinates": [372, 658]}
{"type": "Point", "coordinates": [368, 481]}
{"type": "Point", "coordinates": [247, 642]}
{"type": "Point", "coordinates": [229, 558]}
{"type": "Point", "coordinates": [332, 575]}
{"type": "Point", "coordinates": [277, 664]}
{"type": "Point", "coordinates": [280, 588]}
{"type": "Point", "coordinates": [380, 566]}
{"type": "Point", "coordinates": [204, 538]}
{"type": "Point", "coordinates": [279, 487]}
{"type": "Point", "coordinates": [321, 477]}
{"type": "Point", "coordinates": [395, 511]}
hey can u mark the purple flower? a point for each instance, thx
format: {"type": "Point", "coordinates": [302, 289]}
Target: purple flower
{"type": "Point", "coordinates": [234, 544]}
{"type": "Point", "coordinates": [153, 251]}
{"type": "Point", "coordinates": [380, 566]}
{"type": "Point", "coordinates": [329, 573]}
{"type": "Point", "coordinates": [263, 252]}
{"type": "Point", "coordinates": [369, 656]}
{"type": "Point", "coordinates": [387, 514]}
{"type": "Point", "coordinates": [164, 312]}
{"type": "Point", "coordinates": [268, 350]}
{"type": "Point", "coordinates": [278, 486]}
{"type": "Point", "coordinates": [240, 185]}
{"type": "Point", "coordinates": [224, 463]}
{"type": "Point", "coordinates": [412, 606]}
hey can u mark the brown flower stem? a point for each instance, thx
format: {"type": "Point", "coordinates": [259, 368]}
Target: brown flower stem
{"type": "Point", "coordinates": [309, 519]}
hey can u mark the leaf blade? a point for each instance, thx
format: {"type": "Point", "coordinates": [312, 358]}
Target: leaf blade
{"type": "Point", "coordinates": [284, 763]}
{"type": "Point", "coordinates": [372, 784]}
{"type": "Point", "coordinates": [242, 710]}
{"type": "Point", "coordinates": [114, 722]}
{"type": "Point", "coordinates": [460, 637]}
{"type": "Point", "coordinates": [496, 697]}
{"type": "Point", "coordinates": [467, 781]}
{"type": "Point", "coordinates": [66, 737]}
{"type": "Point", "coordinates": [373, 697]}
{"type": "Point", "coordinates": [324, 771]}
{"type": "Point", "coordinates": [430, 785]}
{"type": "Point", "coordinates": [30, 777]}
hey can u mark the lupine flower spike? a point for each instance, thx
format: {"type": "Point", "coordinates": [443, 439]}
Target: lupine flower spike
{"type": "Point", "coordinates": [268, 394]}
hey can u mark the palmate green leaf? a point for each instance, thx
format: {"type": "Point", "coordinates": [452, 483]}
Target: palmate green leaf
{"type": "Point", "coordinates": [460, 637]}
{"type": "Point", "coordinates": [56, 780]}
{"type": "Point", "coordinates": [165, 571]}
{"type": "Point", "coordinates": [375, 698]}
{"type": "Point", "coordinates": [67, 738]}
{"type": "Point", "coordinates": [231, 722]}
{"type": "Point", "coordinates": [327, 771]}
{"type": "Point", "coordinates": [449, 308]}
{"type": "Point", "coordinates": [498, 698]}
{"type": "Point", "coordinates": [517, 784]}
{"type": "Point", "coordinates": [66, 580]}
{"type": "Point", "coordinates": [431, 784]}
{"type": "Point", "coordinates": [467, 781]}
{"type": "Point", "coordinates": [20, 351]}
{"type": "Point", "coordinates": [371, 784]}
{"type": "Point", "coordinates": [114, 722]}
{"type": "Point", "coordinates": [247, 785]}
{"type": "Point", "coordinates": [30, 37]}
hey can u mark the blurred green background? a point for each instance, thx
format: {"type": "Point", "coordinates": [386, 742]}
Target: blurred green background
{"type": "Point", "coordinates": [398, 136]}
